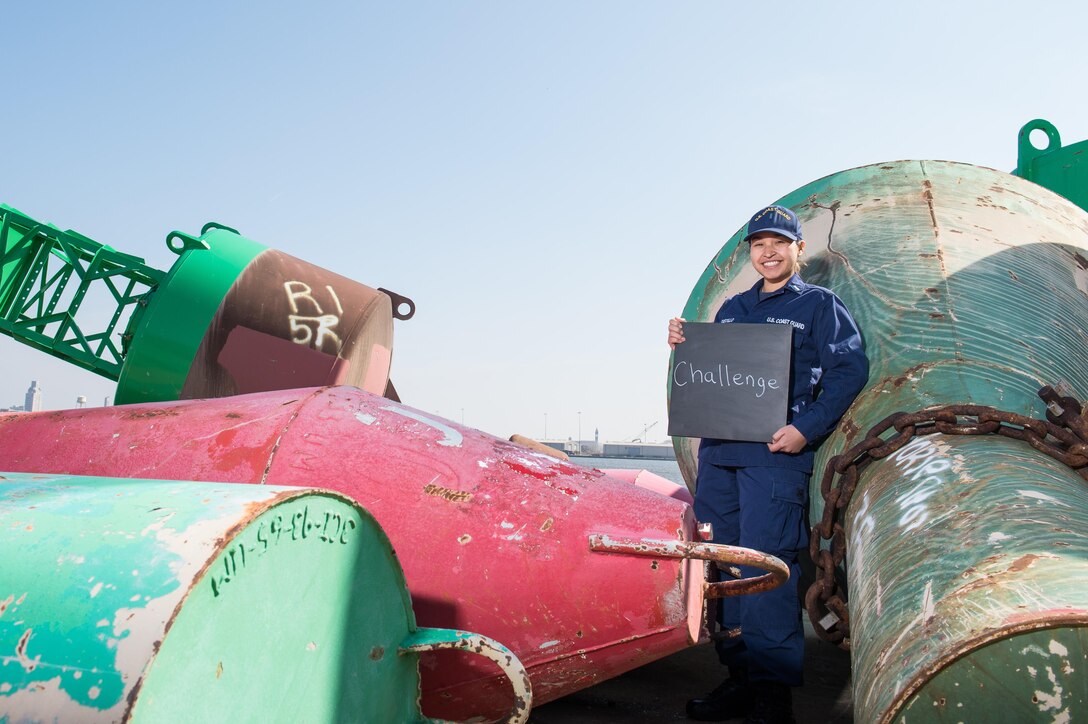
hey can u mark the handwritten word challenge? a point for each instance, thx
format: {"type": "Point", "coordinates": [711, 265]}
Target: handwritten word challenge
{"type": "Point", "coordinates": [720, 376]}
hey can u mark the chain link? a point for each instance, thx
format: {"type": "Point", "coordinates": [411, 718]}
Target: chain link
{"type": "Point", "coordinates": [1063, 435]}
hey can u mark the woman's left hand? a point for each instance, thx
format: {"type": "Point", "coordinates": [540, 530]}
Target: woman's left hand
{"type": "Point", "coordinates": [787, 439]}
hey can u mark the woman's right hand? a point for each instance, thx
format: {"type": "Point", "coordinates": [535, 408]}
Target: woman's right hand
{"type": "Point", "coordinates": [676, 331]}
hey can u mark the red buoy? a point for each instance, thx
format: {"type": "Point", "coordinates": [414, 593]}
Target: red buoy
{"type": "Point", "coordinates": [493, 537]}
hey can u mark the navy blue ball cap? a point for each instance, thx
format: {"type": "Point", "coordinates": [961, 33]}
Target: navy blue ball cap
{"type": "Point", "coordinates": [777, 219]}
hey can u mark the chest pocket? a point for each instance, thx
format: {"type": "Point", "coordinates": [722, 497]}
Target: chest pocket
{"type": "Point", "coordinates": [801, 342]}
{"type": "Point", "coordinates": [805, 357]}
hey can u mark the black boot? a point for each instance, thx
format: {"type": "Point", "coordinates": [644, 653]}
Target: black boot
{"type": "Point", "coordinates": [732, 699]}
{"type": "Point", "coordinates": [773, 704]}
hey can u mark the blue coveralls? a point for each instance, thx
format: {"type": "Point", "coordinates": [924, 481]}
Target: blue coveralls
{"type": "Point", "coordinates": [757, 499]}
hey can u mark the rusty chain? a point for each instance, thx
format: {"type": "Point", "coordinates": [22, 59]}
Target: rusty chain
{"type": "Point", "coordinates": [1066, 423]}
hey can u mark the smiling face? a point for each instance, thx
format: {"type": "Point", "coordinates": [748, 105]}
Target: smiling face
{"type": "Point", "coordinates": [775, 258]}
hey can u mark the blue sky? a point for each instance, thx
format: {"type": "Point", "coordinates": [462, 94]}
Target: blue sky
{"type": "Point", "coordinates": [546, 180]}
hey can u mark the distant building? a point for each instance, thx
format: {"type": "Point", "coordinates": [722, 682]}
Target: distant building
{"type": "Point", "coordinates": [649, 450]}
{"type": "Point", "coordinates": [587, 447]}
{"type": "Point", "coordinates": [33, 400]}
{"type": "Point", "coordinates": [591, 448]}
{"type": "Point", "coordinates": [564, 446]}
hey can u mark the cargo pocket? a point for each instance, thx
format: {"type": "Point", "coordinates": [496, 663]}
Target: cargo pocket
{"type": "Point", "coordinates": [785, 534]}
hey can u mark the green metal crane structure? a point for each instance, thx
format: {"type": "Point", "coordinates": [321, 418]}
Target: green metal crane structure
{"type": "Point", "coordinates": [45, 277]}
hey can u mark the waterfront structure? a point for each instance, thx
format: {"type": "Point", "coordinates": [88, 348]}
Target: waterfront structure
{"type": "Point", "coordinates": [569, 447]}
{"type": "Point", "coordinates": [648, 450]}
{"type": "Point", "coordinates": [33, 400]}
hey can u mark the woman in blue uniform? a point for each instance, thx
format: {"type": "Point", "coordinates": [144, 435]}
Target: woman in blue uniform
{"type": "Point", "coordinates": [755, 494]}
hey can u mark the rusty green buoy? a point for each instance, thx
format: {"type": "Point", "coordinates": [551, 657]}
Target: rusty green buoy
{"type": "Point", "coordinates": [967, 556]}
{"type": "Point", "coordinates": [152, 601]}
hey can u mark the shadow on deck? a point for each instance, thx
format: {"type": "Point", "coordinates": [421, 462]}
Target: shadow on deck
{"type": "Point", "coordinates": [656, 693]}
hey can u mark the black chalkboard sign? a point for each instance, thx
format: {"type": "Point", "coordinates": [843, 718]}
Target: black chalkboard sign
{"type": "Point", "coordinates": [730, 381]}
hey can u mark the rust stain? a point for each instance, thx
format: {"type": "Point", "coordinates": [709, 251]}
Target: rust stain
{"type": "Point", "coordinates": [146, 414]}
{"type": "Point", "coordinates": [1023, 563]}
{"type": "Point", "coordinates": [987, 581]}
{"type": "Point", "coordinates": [1075, 616]}
{"type": "Point", "coordinates": [219, 669]}
{"type": "Point", "coordinates": [134, 693]}
{"type": "Point", "coordinates": [20, 653]}
{"type": "Point", "coordinates": [454, 496]}
{"type": "Point", "coordinates": [927, 194]}
{"type": "Point", "coordinates": [232, 415]}
{"type": "Point", "coordinates": [992, 580]}
{"type": "Point", "coordinates": [902, 379]}
{"type": "Point", "coordinates": [463, 539]}
{"type": "Point", "coordinates": [936, 315]}
{"type": "Point", "coordinates": [547, 525]}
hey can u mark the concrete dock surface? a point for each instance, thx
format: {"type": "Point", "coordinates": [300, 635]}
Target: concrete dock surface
{"type": "Point", "coordinates": [657, 692]}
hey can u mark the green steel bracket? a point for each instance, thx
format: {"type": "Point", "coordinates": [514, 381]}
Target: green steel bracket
{"type": "Point", "coordinates": [47, 276]}
{"type": "Point", "coordinates": [1060, 169]}
{"type": "Point", "coordinates": [179, 242]}
{"type": "Point", "coordinates": [216, 225]}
